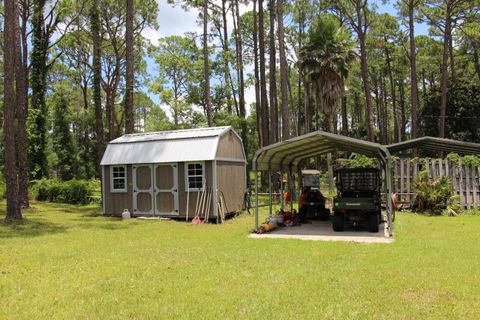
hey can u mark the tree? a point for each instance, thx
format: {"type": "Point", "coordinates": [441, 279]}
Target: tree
{"type": "Point", "coordinates": [326, 59]}
{"type": "Point", "coordinates": [283, 72]}
{"type": "Point", "coordinates": [206, 69]}
{"type": "Point", "coordinates": [180, 72]}
{"type": "Point", "coordinates": [95, 26]}
{"type": "Point", "coordinates": [408, 9]}
{"type": "Point", "coordinates": [444, 16]}
{"type": "Point", "coordinates": [265, 126]}
{"type": "Point", "coordinates": [357, 14]}
{"type": "Point", "coordinates": [272, 74]}
{"type": "Point", "coordinates": [62, 141]}
{"type": "Point", "coordinates": [129, 53]}
{"type": "Point", "coordinates": [11, 32]}
{"type": "Point", "coordinates": [21, 91]}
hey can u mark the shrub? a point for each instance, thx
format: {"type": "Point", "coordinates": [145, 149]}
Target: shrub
{"type": "Point", "coordinates": [434, 196]}
{"type": "Point", "coordinates": [72, 191]}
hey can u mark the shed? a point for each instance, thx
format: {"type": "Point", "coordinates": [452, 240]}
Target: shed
{"type": "Point", "coordinates": [151, 174]}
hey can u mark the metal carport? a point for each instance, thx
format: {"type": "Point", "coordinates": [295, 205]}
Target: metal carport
{"type": "Point", "coordinates": [289, 153]}
{"type": "Point", "coordinates": [436, 144]}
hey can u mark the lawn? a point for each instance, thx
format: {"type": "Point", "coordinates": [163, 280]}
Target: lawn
{"type": "Point", "coordinates": [70, 262]}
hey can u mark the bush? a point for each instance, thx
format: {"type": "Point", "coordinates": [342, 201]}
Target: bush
{"type": "Point", "coordinates": [73, 191]}
{"type": "Point", "coordinates": [434, 196]}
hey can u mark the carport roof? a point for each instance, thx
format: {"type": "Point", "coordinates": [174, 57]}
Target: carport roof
{"type": "Point", "coordinates": [436, 144]}
{"type": "Point", "coordinates": [290, 152]}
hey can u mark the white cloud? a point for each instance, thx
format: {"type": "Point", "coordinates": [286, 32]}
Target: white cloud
{"type": "Point", "coordinates": [172, 20]}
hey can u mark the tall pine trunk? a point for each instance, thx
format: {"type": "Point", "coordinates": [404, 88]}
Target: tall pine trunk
{"type": "Point", "coordinates": [444, 69]}
{"type": "Point", "coordinates": [21, 69]}
{"type": "Point", "coordinates": [272, 75]}
{"type": "Point", "coordinates": [258, 104]}
{"type": "Point", "coordinates": [366, 87]}
{"type": "Point", "coordinates": [265, 126]}
{"type": "Point", "coordinates": [10, 60]}
{"type": "Point", "coordinates": [97, 79]}
{"type": "Point", "coordinates": [38, 113]}
{"type": "Point", "coordinates": [283, 72]}
{"type": "Point", "coordinates": [206, 67]}
{"type": "Point", "coordinates": [413, 72]}
{"type": "Point", "coordinates": [129, 77]}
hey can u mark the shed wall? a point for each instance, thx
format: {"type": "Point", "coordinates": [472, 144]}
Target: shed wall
{"type": "Point", "coordinates": [230, 147]}
{"type": "Point", "coordinates": [182, 194]}
{"type": "Point", "coordinates": [232, 183]}
{"type": "Point", "coordinates": [116, 202]}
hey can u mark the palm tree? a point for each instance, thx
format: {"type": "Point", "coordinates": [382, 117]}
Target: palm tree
{"type": "Point", "coordinates": [325, 59]}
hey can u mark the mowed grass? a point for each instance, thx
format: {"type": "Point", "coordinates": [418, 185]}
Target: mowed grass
{"type": "Point", "coordinates": [70, 262]}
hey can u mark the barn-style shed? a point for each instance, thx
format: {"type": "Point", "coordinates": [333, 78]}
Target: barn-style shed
{"type": "Point", "coordinates": [152, 173]}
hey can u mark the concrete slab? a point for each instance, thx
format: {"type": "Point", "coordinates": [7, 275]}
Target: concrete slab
{"type": "Point", "coordinates": [322, 231]}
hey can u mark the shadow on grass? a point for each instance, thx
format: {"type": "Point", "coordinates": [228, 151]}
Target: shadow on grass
{"type": "Point", "coordinates": [29, 228]}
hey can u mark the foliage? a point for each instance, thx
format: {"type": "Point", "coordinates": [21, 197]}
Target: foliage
{"type": "Point", "coordinates": [72, 191]}
{"type": "Point", "coordinates": [462, 112]}
{"type": "Point", "coordinates": [433, 195]}
{"type": "Point", "coordinates": [71, 254]}
{"type": "Point", "coordinates": [358, 161]}
{"type": "Point", "coordinates": [470, 160]}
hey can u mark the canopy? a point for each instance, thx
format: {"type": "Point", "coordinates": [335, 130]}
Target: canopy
{"type": "Point", "coordinates": [283, 154]}
{"type": "Point", "coordinates": [436, 144]}
{"type": "Point", "coordinates": [289, 153]}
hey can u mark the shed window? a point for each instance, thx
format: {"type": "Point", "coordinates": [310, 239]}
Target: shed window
{"type": "Point", "coordinates": [194, 176]}
{"type": "Point", "coordinates": [119, 179]}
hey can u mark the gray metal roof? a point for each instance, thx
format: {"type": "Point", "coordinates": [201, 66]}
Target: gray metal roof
{"type": "Point", "coordinates": [164, 147]}
{"type": "Point", "coordinates": [290, 152]}
{"type": "Point", "coordinates": [436, 144]}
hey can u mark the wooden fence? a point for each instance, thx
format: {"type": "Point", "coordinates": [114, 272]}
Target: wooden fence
{"type": "Point", "coordinates": [465, 179]}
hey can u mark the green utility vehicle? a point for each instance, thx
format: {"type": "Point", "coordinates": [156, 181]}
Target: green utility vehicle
{"type": "Point", "coordinates": [358, 199]}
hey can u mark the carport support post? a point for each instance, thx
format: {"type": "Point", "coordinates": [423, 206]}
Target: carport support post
{"type": "Point", "coordinates": [270, 191]}
{"type": "Point", "coordinates": [388, 176]}
{"type": "Point", "coordinates": [256, 199]}
{"type": "Point", "coordinates": [291, 185]}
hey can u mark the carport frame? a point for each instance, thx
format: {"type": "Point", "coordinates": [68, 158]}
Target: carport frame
{"type": "Point", "coordinates": [324, 142]}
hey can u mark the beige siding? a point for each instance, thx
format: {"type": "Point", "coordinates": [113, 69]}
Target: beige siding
{"type": "Point", "coordinates": [116, 202]}
{"type": "Point", "coordinates": [182, 193]}
{"type": "Point", "coordinates": [231, 183]}
{"type": "Point", "coordinates": [230, 147]}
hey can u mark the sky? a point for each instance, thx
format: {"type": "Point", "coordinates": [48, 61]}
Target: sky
{"type": "Point", "coordinates": [173, 20]}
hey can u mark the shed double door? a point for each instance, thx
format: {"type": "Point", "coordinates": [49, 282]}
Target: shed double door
{"type": "Point", "coordinates": [155, 189]}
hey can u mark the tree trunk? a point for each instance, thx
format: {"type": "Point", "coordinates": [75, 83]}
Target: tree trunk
{"type": "Point", "coordinates": [129, 77]}
{"type": "Point", "coordinates": [226, 65]}
{"type": "Point", "coordinates": [344, 116]}
{"type": "Point", "coordinates": [263, 84]}
{"type": "Point", "coordinates": [308, 108]}
{"type": "Point", "coordinates": [206, 68]}
{"type": "Point", "coordinates": [366, 88]}
{"type": "Point", "coordinates": [452, 58]}
{"type": "Point", "coordinates": [283, 72]}
{"type": "Point", "coordinates": [97, 78]}
{"type": "Point", "coordinates": [10, 60]}
{"type": "Point", "coordinates": [273, 79]}
{"type": "Point", "coordinates": [258, 103]}
{"type": "Point", "coordinates": [403, 117]}
{"type": "Point", "coordinates": [241, 90]}
{"type": "Point", "coordinates": [21, 69]}
{"type": "Point", "coordinates": [38, 137]}
{"type": "Point", "coordinates": [476, 60]}
{"type": "Point", "coordinates": [444, 69]}
{"type": "Point", "coordinates": [392, 83]}
{"type": "Point", "coordinates": [413, 71]}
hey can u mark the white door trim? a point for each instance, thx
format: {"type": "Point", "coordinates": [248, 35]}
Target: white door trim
{"type": "Point", "coordinates": [136, 190]}
{"type": "Point", "coordinates": [173, 190]}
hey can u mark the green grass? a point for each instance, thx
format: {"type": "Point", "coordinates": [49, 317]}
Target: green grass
{"type": "Point", "coordinates": [68, 262]}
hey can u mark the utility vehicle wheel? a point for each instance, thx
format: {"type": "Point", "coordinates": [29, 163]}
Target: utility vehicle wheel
{"type": "Point", "coordinates": [373, 222]}
{"type": "Point", "coordinates": [338, 222]}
